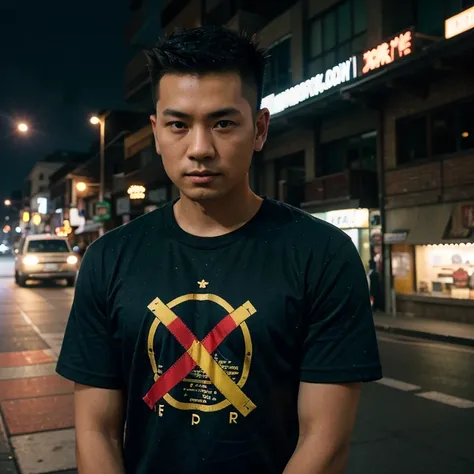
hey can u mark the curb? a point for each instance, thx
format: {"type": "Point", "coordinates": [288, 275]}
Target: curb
{"type": "Point", "coordinates": [462, 341]}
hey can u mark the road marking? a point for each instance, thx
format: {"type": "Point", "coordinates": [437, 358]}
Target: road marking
{"type": "Point", "coordinates": [417, 342]}
{"type": "Point", "coordinates": [447, 399]}
{"type": "Point", "coordinates": [398, 384]}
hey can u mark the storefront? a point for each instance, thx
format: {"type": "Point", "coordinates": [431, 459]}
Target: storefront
{"type": "Point", "coordinates": [432, 260]}
{"type": "Point", "coordinates": [356, 224]}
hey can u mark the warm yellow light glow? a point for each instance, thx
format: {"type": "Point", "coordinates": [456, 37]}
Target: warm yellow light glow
{"type": "Point", "coordinates": [26, 216]}
{"type": "Point", "coordinates": [136, 192]}
{"type": "Point", "coordinates": [7, 202]}
{"type": "Point", "coordinates": [95, 120]}
{"type": "Point", "coordinates": [465, 134]}
{"type": "Point", "coordinates": [81, 186]}
{"type": "Point", "coordinates": [22, 127]}
{"type": "Point", "coordinates": [36, 219]}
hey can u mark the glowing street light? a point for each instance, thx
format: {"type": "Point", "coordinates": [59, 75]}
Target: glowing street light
{"type": "Point", "coordinates": [7, 202]}
{"type": "Point", "coordinates": [81, 186]}
{"type": "Point", "coordinates": [95, 120]}
{"type": "Point", "coordinates": [22, 127]}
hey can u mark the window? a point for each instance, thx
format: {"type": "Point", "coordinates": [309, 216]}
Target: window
{"type": "Point", "coordinates": [48, 246]}
{"type": "Point", "coordinates": [412, 139]}
{"type": "Point", "coordinates": [431, 14]}
{"type": "Point", "coordinates": [336, 35]}
{"type": "Point", "coordinates": [466, 126]}
{"type": "Point", "coordinates": [442, 131]}
{"type": "Point", "coordinates": [278, 72]}
{"type": "Point", "coordinates": [41, 177]}
{"type": "Point", "coordinates": [356, 153]}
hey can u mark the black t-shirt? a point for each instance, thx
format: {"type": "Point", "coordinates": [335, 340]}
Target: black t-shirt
{"type": "Point", "coordinates": [210, 337]}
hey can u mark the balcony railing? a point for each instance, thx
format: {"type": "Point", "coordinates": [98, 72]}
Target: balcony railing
{"type": "Point", "coordinates": [350, 184]}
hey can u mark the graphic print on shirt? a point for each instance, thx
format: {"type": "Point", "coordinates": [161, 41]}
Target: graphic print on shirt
{"type": "Point", "coordinates": [206, 381]}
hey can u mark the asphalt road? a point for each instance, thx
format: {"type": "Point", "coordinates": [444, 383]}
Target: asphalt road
{"type": "Point", "coordinates": [419, 419]}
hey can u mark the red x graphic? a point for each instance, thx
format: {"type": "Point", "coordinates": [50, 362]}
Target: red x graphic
{"type": "Point", "coordinates": [185, 364]}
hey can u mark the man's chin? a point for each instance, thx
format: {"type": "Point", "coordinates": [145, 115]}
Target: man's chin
{"type": "Point", "coordinates": [203, 194]}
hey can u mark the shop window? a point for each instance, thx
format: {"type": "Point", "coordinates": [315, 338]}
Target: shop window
{"type": "Point", "coordinates": [336, 35]}
{"type": "Point", "coordinates": [445, 270]}
{"type": "Point", "coordinates": [278, 75]}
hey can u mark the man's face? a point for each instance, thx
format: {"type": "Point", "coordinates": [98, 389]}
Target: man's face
{"type": "Point", "coordinates": [206, 133]}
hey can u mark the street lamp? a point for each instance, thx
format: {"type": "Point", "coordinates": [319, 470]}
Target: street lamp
{"type": "Point", "coordinates": [22, 127]}
{"type": "Point", "coordinates": [81, 186]}
{"type": "Point", "coordinates": [95, 120]}
{"type": "Point", "coordinates": [7, 202]}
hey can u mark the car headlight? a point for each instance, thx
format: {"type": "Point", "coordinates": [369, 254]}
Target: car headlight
{"type": "Point", "coordinates": [72, 260]}
{"type": "Point", "coordinates": [30, 260]}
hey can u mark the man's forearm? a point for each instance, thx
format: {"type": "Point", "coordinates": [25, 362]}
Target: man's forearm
{"type": "Point", "coordinates": [314, 456]}
{"type": "Point", "coordinates": [97, 453]}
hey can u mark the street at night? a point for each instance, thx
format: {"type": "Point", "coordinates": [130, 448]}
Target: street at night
{"type": "Point", "coordinates": [175, 167]}
{"type": "Point", "coordinates": [418, 419]}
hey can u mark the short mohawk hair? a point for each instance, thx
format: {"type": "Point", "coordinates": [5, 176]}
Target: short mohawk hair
{"type": "Point", "coordinates": [206, 50]}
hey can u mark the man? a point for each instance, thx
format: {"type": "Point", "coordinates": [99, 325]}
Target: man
{"type": "Point", "coordinates": [231, 332]}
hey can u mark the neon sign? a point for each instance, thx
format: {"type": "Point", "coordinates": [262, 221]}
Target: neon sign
{"type": "Point", "coordinates": [460, 23]}
{"type": "Point", "coordinates": [318, 84]}
{"type": "Point", "coordinates": [388, 52]}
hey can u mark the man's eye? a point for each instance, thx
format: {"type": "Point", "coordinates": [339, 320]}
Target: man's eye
{"type": "Point", "coordinates": [225, 124]}
{"type": "Point", "coordinates": [177, 125]}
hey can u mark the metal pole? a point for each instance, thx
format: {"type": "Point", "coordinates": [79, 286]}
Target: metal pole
{"type": "Point", "coordinates": [102, 167]}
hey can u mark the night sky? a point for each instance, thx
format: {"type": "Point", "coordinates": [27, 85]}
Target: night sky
{"type": "Point", "coordinates": [60, 62]}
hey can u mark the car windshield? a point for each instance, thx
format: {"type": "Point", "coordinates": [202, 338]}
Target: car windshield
{"type": "Point", "coordinates": [47, 246]}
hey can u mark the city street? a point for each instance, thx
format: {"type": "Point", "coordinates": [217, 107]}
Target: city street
{"type": "Point", "coordinates": [418, 419]}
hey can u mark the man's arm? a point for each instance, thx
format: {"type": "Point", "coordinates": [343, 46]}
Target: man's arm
{"type": "Point", "coordinates": [99, 420]}
{"type": "Point", "coordinates": [327, 415]}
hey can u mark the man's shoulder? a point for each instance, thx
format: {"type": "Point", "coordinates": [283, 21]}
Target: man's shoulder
{"type": "Point", "coordinates": [304, 228]}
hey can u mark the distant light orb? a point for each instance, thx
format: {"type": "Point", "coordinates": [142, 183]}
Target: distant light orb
{"type": "Point", "coordinates": [95, 120]}
{"type": "Point", "coordinates": [22, 127]}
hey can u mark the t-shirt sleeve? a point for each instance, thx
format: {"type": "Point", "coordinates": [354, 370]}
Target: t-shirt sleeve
{"type": "Point", "coordinates": [88, 354]}
{"type": "Point", "coordinates": [339, 344]}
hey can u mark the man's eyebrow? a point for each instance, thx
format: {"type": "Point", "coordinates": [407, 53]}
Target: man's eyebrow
{"type": "Point", "coordinates": [225, 112]}
{"type": "Point", "coordinates": [175, 113]}
{"type": "Point", "coordinates": [216, 114]}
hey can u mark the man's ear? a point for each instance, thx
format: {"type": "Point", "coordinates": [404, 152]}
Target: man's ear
{"type": "Point", "coordinates": [261, 128]}
{"type": "Point", "coordinates": [153, 126]}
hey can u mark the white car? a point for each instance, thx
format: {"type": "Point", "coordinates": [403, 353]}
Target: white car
{"type": "Point", "coordinates": [45, 257]}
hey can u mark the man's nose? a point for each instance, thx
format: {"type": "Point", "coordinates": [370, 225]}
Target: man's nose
{"type": "Point", "coordinates": [201, 146]}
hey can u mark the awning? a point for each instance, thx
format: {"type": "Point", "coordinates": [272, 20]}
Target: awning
{"type": "Point", "coordinates": [88, 227]}
{"type": "Point", "coordinates": [423, 225]}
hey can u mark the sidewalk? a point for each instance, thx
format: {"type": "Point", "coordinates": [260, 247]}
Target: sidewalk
{"type": "Point", "coordinates": [441, 331]}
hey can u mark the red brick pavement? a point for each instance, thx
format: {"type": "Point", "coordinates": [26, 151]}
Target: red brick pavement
{"type": "Point", "coordinates": [18, 359]}
{"type": "Point", "coordinates": [30, 415]}
{"type": "Point", "coordinates": [34, 387]}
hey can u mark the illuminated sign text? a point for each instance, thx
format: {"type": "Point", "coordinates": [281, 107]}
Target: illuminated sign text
{"type": "Point", "coordinates": [460, 23]}
{"type": "Point", "coordinates": [318, 84]}
{"type": "Point", "coordinates": [388, 52]}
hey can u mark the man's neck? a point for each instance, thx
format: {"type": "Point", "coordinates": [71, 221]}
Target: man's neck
{"type": "Point", "coordinates": [215, 218]}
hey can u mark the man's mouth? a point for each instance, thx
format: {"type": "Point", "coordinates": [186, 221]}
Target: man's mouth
{"type": "Point", "coordinates": [202, 174]}
{"type": "Point", "coordinates": [202, 177]}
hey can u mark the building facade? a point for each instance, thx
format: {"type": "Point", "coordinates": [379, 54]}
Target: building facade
{"type": "Point", "coordinates": [370, 130]}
